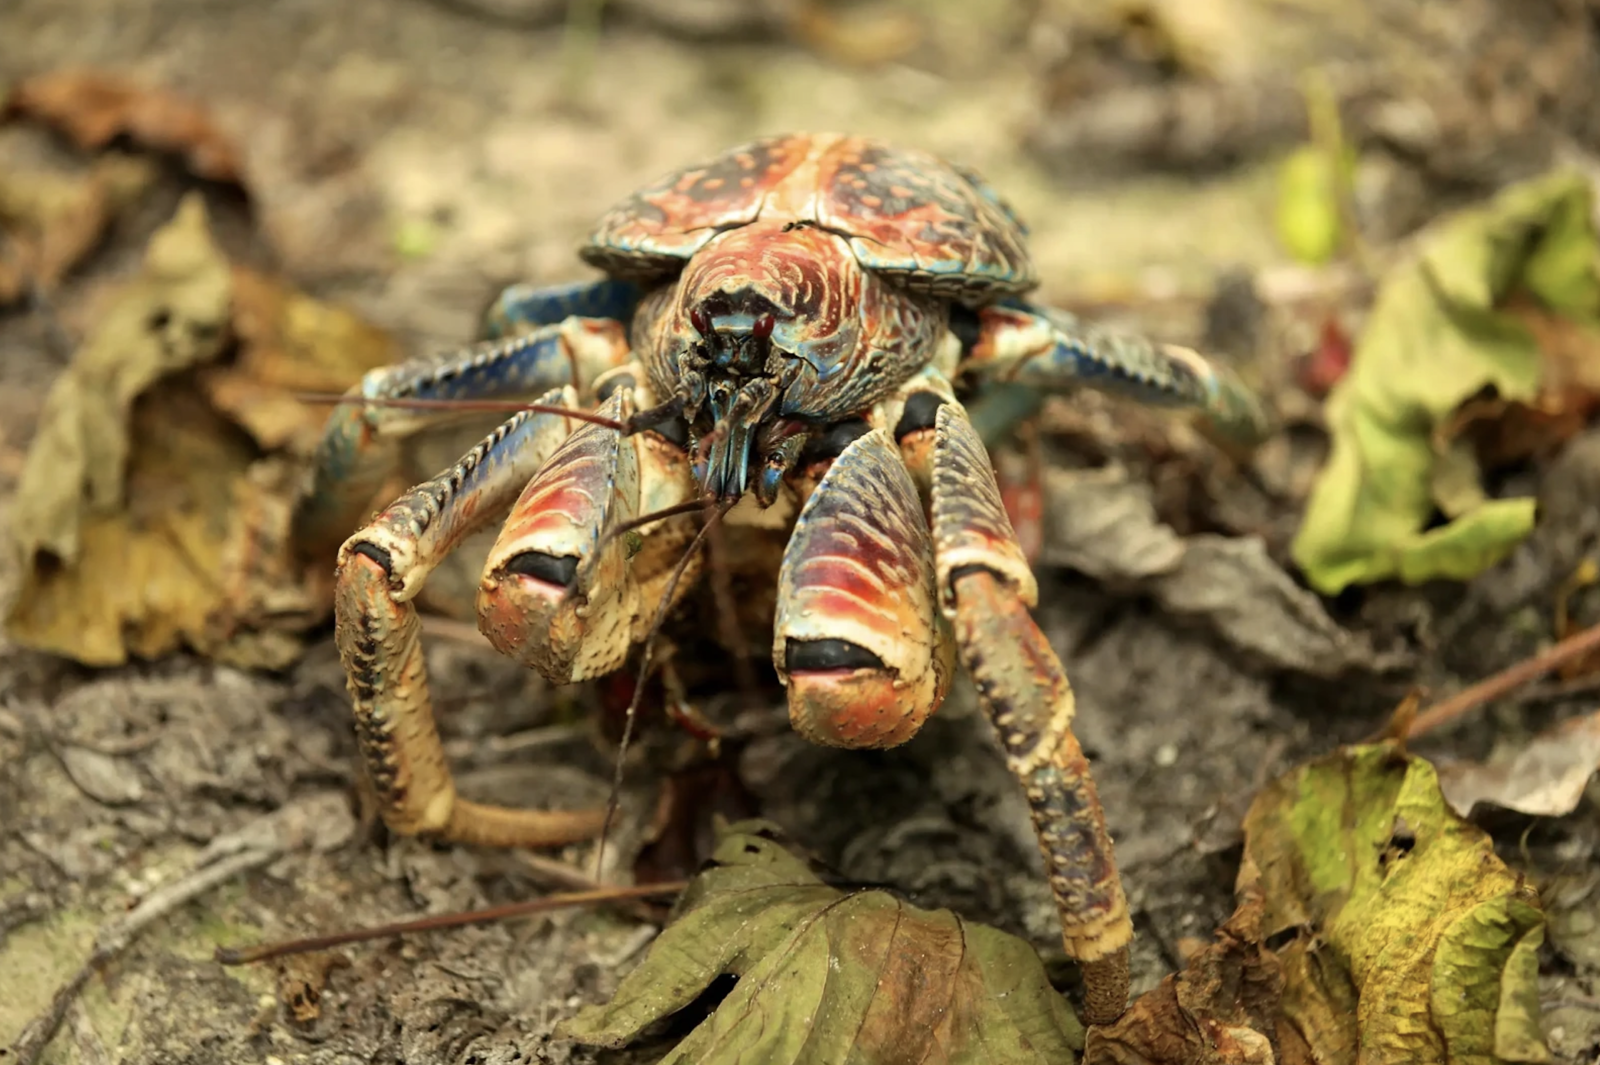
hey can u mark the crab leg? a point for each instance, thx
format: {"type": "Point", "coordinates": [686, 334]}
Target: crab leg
{"type": "Point", "coordinates": [379, 638]}
{"type": "Point", "coordinates": [522, 307]}
{"type": "Point", "coordinates": [1048, 349]}
{"type": "Point", "coordinates": [359, 448]}
{"type": "Point", "coordinates": [857, 640]}
{"type": "Point", "coordinates": [986, 589]}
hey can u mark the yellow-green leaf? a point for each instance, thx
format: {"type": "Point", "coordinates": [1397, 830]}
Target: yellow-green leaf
{"type": "Point", "coordinates": [1416, 943]}
{"type": "Point", "coordinates": [825, 975]}
{"type": "Point", "coordinates": [1439, 335]}
{"type": "Point", "coordinates": [1309, 220]}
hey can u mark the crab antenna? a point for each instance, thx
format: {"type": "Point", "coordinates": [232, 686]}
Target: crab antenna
{"type": "Point", "coordinates": [509, 406]}
{"type": "Point", "coordinates": [644, 670]}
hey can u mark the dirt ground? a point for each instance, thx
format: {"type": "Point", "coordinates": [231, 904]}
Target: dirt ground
{"type": "Point", "coordinates": [407, 156]}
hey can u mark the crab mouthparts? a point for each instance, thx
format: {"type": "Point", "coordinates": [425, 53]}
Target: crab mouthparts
{"type": "Point", "coordinates": [737, 414]}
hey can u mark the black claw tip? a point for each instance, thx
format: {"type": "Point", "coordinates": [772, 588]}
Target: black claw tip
{"type": "Point", "coordinates": [552, 569]}
{"type": "Point", "coordinates": [821, 656]}
{"type": "Point", "coordinates": [377, 554]}
{"type": "Point", "coordinates": [921, 411]}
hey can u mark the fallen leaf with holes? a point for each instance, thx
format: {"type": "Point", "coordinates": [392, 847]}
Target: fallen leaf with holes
{"type": "Point", "coordinates": [51, 221]}
{"type": "Point", "coordinates": [93, 109]}
{"type": "Point", "coordinates": [825, 975]}
{"type": "Point", "coordinates": [1221, 1010]}
{"type": "Point", "coordinates": [1547, 778]}
{"type": "Point", "coordinates": [147, 518]}
{"type": "Point", "coordinates": [1413, 941]}
{"type": "Point", "coordinates": [288, 343]}
{"type": "Point", "coordinates": [1501, 306]}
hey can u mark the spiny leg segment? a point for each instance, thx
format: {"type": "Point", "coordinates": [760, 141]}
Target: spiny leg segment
{"type": "Point", "coordinates": [359, 451]}
{"type": "Point", "coordinates": [520, 308]}
{"type": "Point", "coordinates": [986, 588]}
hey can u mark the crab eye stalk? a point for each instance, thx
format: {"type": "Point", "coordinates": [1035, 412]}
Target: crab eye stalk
{"type": "Point", "coordinates": [763, 327]}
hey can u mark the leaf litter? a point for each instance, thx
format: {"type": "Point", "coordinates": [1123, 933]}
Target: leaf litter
{"type": "Point", "coordinates": [826, 975]}
{"type": "Point", "coordinates": [169, 453]}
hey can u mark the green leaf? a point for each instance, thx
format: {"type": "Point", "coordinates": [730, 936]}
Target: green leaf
{"type": "Point", "coordinates": [1437, 336]}
{"type": "Point", "coordinates": [1309, 220]}
{"type": "Point", "coordinates": [829, 976]}
{"type": "Point", "coordinates": [1416, 943]}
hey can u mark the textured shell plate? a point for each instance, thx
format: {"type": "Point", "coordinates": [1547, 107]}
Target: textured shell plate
{"type": "Point", "coordinates": [937, 227]}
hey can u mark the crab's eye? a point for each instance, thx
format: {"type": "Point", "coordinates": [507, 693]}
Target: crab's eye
{"type": "Point", "coordinates": [762, 329]}
{"type": "Point", "coordinates": [698, 319]}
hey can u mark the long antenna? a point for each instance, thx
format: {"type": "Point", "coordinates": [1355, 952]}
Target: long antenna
{"type": "Point", "coordinates": [644, 670]}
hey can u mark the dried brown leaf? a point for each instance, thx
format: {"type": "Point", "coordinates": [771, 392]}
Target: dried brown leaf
{"type": "Point", "coordinates": [1547, 778]}
{"type": "Point", "coordinates": [94, 108]}
{"type": "Point", "coordinates": [51, 221]}
{"type": "Point", "coordinates": [146, 517]}
{"type": "Point", "coordinates": [1221, 1010]}
{"type": "Point", "coordinates": [289, 342]}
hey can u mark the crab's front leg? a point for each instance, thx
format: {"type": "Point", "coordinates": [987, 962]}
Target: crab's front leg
{"type": "Point", "coordinates": [381, 568]}
{"type": "Point", "coordinates": [986, 589]}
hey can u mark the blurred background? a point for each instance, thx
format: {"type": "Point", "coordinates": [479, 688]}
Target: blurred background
{"type": "Point", "coordinates": [1240, 175]}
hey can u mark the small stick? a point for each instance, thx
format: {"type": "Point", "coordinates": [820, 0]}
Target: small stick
{"type": "Point", "coordinates": [1575, 646]}
{"type": "Point", "coordinates": [282, 949]}
{"type": "Point", "coordinates": [507, 406]}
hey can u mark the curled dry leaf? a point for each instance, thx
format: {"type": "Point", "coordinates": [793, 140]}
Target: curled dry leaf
{"type": "Point", "coordinates": [1547, 778]}
{"type": "Point", "coordinates": [825, 975]}
{"type": "Point", "coordinates": [146, 517]}
{"type": "Point", "coordinates": [1413, 942]}
{"type": "Point", "coordinates": [1105, 525]}
{"type": "Point", "coordinates": [1449, 332]}
{"type": "Point", "coordinates": [288, 343]}
{"type": "Point", "coordinates": [94, 108]}
{"type": "Point", "coordinates": [51, 221]}
{"type": "Point", "coordinates": [1221, 1010]}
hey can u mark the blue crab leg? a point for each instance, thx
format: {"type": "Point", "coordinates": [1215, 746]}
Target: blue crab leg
{"type": "Point", "coordinates": [1051, 350]}
{"type": "Point", "coordinates": [359, 450]}
{"type": "Point", "coordinates": [380, 569]}
{"type": "Point", "coordinates": [519, 308]}
{"type": "Point", "coordinates": [985, 589]}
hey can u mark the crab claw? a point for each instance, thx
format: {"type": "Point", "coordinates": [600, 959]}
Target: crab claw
{"type": "Point", "coordinates": [858, 642]}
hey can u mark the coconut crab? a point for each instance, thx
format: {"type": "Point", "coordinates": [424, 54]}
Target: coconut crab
{"type": "Point", "coordinates": [786, 331]}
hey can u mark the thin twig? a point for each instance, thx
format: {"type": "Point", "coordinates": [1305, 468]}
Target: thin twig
{"type": "Point", "coordinates": [1575, 646]}
{"type": "Point", "coordinates": [116, 937]}
{"type": "Point", "coordinates": [311, 944]}
{"type": "Point", "coordinates": [644, 672]}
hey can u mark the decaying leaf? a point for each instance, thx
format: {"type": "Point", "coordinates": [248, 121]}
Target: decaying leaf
{"type": "Point", "coordinates": [1415, 942]}
{"type": "Point", "coordinates": [1104, 524]}
{"type": "Point", "coordinates": [154, 506]}
{"type": "Point", "coordinates": [1547, 778]}
{"type": "Point", "coordinates": [171, 317]}
{"type": "Point", "coordinates": [1445, 329]}
{"type": "Point", "coordinates": [94, 108]}
{"type": "Point", "coordinates": [288, 343]}
{"type": "Point", "coordinates": [50, 221]}
{"type": "Point", "coordinates": [1221, 1010]}
{"type": "Point", "coordinates": [825, 975]}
